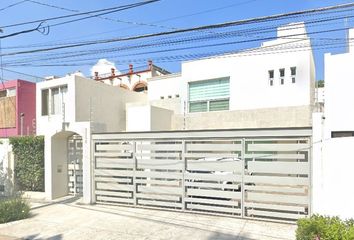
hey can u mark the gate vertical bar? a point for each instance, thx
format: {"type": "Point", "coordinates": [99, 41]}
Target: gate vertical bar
{"type": "Point", "coordinates": [183, 172]}
{"type": "Point", "coordinates": [243, 150]}
{"type": "Point", "coordinates": [134, 173]}
{"type": "Point", "coordinates": [310, 196]}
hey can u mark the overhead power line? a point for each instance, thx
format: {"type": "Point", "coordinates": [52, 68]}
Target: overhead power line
{"type": "Point", "coordinates": [45, 29]}
{"type": "Point", "coordinates": [100, 17]}
{"type": "Point", "coordinates": [205, 27]}
{"type": "Point", "coordinates": [78, 14]}
{"type": "Point", "coordinates": [12, 5]}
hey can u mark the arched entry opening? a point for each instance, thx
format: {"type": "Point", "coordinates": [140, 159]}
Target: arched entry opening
{"type": "Point", "coordinates": [66, 164]}
{"type": "Point", "coordinates": [140, 87]}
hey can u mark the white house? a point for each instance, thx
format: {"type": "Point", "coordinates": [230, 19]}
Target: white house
{"type": "Point", "coordinates": [69, 109]}
{"type": "Point", "coordinates": [265, 87]}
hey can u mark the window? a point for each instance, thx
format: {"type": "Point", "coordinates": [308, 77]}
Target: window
{"type": "Point", "coordinates": [271, 77]}
{"type": "Point", "coordinates": [177, 95]}
{"type": "Point", "coordinates": [169, 96]}
{"type": "Point", "coordinates": [45, 102]}
{"type": "Point", "coordinates": [162, 97]}
{"type": "Point", "coordinates": [293, 74]}
{"type": "Point", "coordinates": [282, 74]}
{"type": "Point", "coordinates": [11, 92]}
{"type": "Point", "coordinates": [342, 134]}
{"type": "Point", "coordinates": [3, 93]}
{"type": "Point", "coordinates": [209, 95]}
{"type": "Point", "coordinates": [55, 98]}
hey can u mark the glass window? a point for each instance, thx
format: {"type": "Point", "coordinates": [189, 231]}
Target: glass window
{"type": "Point", "coordinates": [209, 95]}
{"type": "Point", "coordinates": [45, 102]}
{"type": "Point", "coordinates": [293, 74]}
{"type": "Point", "coordinates": [198, 106]}
{"type": "Point", "coordinates": [282, 72]}
{"type": "Point", "coordinates": [55, 107]}
{"type": "Point", "coordinates": [271, 74]}
{"type": "Point", "coordinates": [3, 93]}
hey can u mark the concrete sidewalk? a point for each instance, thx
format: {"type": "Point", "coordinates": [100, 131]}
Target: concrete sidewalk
{"type": "Point", "coordinates": [71, 220]}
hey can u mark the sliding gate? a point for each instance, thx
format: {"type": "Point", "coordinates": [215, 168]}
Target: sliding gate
{"type": "Point", "coordinates": [250, 174]}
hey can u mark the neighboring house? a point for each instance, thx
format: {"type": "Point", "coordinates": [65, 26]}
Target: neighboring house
{"type": "Point", "coordinates": [333, 138]}
{"type": "Point", "coordinates": [339, 87]}
{"type": "Point", "coordinates": [134, 79]}
{"type": "Point", "coordinates": [265, 87]}
{"type": "Point", "coordinates": [69, 109]}
{"type": "Point", "coordinates": [17, 108]}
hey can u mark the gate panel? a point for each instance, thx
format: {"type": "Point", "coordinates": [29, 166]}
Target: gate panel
{"type": "Point", "coordinates": [277, 178]}
{"type": "Point", "coordinates": [264, 178]}
{"type": "Point", "coordinates": [75, 184]}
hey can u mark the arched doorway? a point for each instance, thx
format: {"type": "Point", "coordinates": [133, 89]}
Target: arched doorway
{"type": "Point", "coordinates": [65, 158]}
{"type": "Point", "coordinates": [140, 87]}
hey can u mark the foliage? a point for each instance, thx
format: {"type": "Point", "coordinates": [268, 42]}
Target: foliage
{"type": "Point", "coordinates": [320, 83]}
{"type": "Point", "coordinates": [324, 228]}
{"type": "Point", "coordinates": [29, 163]}
{"type": "Point", "coordinates": [13, 209]}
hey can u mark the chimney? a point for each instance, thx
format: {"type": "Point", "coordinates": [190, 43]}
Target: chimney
{"type": "Point", "coordinates": [150, 64]}
{"type": "Point", "coordinates": [131, 68]}
{"type": "Point", "coordinates": [96, 76]}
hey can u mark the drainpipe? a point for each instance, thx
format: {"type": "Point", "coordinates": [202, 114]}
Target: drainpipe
{"type": "Point", "coordinates": [22, 115]}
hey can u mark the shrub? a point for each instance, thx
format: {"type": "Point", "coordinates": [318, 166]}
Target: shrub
{"type": "Point", "coordinates": [29, 163]}
{"type": "Point", "coordinates": [13, 209]}
{"type": "Point", "coordinates": [325, 228]}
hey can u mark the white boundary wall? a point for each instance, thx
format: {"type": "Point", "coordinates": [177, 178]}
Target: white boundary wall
{"type": "Point", "coordinates": [6, 168]}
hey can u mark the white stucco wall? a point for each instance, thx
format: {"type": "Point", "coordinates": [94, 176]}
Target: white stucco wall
{"type": "Point", "coordinates": [144, 117]}
{"type": "Point", "coordinates": [6, 167]}
{"type": "Point", "coordinates": [339, 85]}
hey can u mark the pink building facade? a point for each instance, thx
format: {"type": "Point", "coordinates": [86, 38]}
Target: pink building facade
{"type": "Point", "coordinates": [17, 108]}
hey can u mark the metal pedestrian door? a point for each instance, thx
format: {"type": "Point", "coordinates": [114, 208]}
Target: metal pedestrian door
{"type": "Point", "coordinates": [75, 165]}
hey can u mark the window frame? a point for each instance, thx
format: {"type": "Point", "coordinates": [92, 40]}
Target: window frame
{"type": "Point", "coordinates": [207, 101]}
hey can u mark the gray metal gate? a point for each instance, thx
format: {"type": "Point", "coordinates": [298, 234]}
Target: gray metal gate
{"type": "Point", "coordinates": [250, 174]}
{"type": "Point", "coordinates": [75, 165]}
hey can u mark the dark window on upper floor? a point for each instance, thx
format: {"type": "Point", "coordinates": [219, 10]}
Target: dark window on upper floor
{"type": "Point", "coordinates": [339, 134]}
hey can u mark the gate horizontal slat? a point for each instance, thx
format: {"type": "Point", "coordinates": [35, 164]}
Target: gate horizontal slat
{"type": "Point", "coordinates": [213, 177]}
{"type": "Point", "coordinates": [212, 185]}
{"type": "Point", "coordinates": [276, 198]}
{"type": "Point", "coordinates": [112, 154]}
{"type": "Point", "coordinates": [158, 197]}
{"type": "Point", "coordinates": [114, 199]}
{"type": "Point", "coordinates": [113, 147]}
{"type": "Point", "coordinates": [113, 172]}
{"type": "Point", "coordinates": [278, 167]}
{"type": "Point", "coordinates": [160, 203]}
{"type": "Point", "coordinates": [211, 155]}
{"type": "Point", "coordinates": [214, 147]}
{"type": "Point", "coordinates": [212, 201]}
{"type": "Point", "coordinates": [280, 147]}
{"type": "Point", "coordinates": [151, 174]}
{"type": "Point", "coordinates": [275, 214]}
{"type": "Point", "coordinates": [213, 193]}
{"type": "Point", "coordinates": [160, 164]}
{"type": "Point", "coordinates": [275, 207]}
{"type": "Point", "coordinates": [115, 194]}
{"type": "Point", "coordinates": [159, 190]}
{"type": "Point", "coordinates": [279, 189]}
{"type": "Point", "coordinates": [160, 155]}
{"type": "Point", "coordinates": [159, 147]}
{"type": "Point", "coordinates": [115, 186]}
{"type": "Point", "coordinates": [113, 179]}
{"type": "Point", "coordinates": [230, 166]}
{"type": "Point", "coordinates": [191, 206]}
{"type": "Point", "coordinates": [159, 182]}
{"type": "Point", "coordinates": [114, 163]}
{"type": "Point", "coordinates": [276, 180]}
{"type": "Point", "coordinates": [275, 156]}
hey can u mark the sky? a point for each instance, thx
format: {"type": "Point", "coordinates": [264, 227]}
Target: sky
{"type": "Point", "coordinates": [162, 16]}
